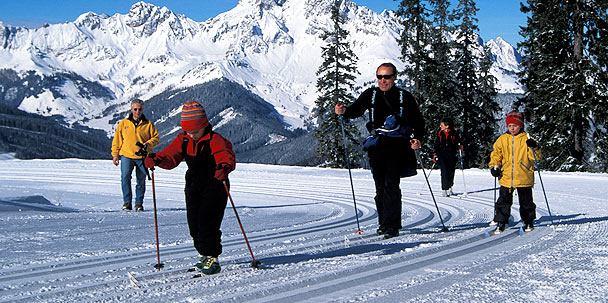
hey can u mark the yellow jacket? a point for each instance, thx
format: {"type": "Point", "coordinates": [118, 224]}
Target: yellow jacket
{"type": "Point", "coordinates": [513, 155]}
{"type": "Point", "coordinates": [128, 134]}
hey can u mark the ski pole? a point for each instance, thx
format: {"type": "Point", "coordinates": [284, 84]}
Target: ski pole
{"type": "Point", "coordinates": [350, 175]}
{"type": "Point", "coordinates": [495, 181]}
{"type": "Point", "coordinates": [537, 165]}
{"type": "Point", "coordinates": [431, 169]}
{"type": "Point", "coordinates": [462, 169]}
{"type": "Point", "coordinates": [158, 265]}
{"type": "Point", "coordinates": [254, 263]}
{"type": "Point", "coordinates": [495, 178]}
{"type": "Point", "coordinates": [143, 151]}
{"type": "Point", "coordinates": [430, 190]}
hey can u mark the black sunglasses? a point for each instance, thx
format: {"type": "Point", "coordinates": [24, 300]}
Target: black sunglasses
{"type": "Point", "coordinates": [137, 109]}
{"type": "Point", "coordinates": [386, 77]}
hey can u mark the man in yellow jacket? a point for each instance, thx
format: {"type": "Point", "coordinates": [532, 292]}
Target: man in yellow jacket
{"type": "Point", "coordinates": [133, 134]}
{"type": "Point", "coordinates": [512, 161]}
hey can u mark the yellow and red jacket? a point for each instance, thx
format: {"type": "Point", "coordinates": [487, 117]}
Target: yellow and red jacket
{"type": "Point", "coordinates": [128, 134]}
{"type": "Point", "coordinates": [513, 155]}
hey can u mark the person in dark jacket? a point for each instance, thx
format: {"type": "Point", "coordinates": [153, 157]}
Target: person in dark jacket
{"type": "Point", "coordinates": [393, 157]}
{"type": "Point", "coordinates": [447, 145]}
{"type": "Point", "coordinates": [210, 159]}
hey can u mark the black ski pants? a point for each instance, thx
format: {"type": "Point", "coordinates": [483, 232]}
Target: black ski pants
{"type": "Point", "coordinates": [205, 210]}
{"type": "Point", "coordinates": [527, 208]}
{"type": "Point", "coordinates": [448, 169]}
{"type": "Point", "coordinates": [388, 194]}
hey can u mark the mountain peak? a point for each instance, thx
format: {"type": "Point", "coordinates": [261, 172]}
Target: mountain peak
{"type": "Point", "coordinates": [90, 20]}
{"type": "Point", "coordinates": [146, 19]}
{"type": "Point", "coordinates": [142, 13]}
{"type": "Point", "coordinates": [262, 3]}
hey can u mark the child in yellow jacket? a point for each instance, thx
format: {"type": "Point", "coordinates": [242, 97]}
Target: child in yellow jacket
{"type": "Point", "coordinates": [512, 161]}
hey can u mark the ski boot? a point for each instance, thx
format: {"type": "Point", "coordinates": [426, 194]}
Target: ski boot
{"type": "Point", "coordinates": [528, 227]}
{"type": "Point", "coordinates": [139, 207]}
{"type": "Point", "coordinates": [391, 233]}
{"type": "Point", "coordinates": [126, 206]}
{"type": "Point", "coordinates": [208, 265]}
{"type": "Point", "coordinates": [500, 228]}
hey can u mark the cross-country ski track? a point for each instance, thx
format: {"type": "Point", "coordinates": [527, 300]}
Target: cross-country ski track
{"type": "Point", "coordinates": [301, 225]}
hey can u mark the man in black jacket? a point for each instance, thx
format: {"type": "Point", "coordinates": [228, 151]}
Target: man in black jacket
{"type": "Point", "coordinates": [393, 157]}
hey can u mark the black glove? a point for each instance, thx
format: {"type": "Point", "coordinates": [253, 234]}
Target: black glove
{"type": "Point", "coordinates": [531, 143]}
{"type": "Point", "coordinates": [143, 149]}
{"type": "Point", "coordinates": [496, 172]}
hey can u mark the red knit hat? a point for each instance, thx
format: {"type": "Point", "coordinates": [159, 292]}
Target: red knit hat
{"type": "Point", "coordinates": [193, 117]}
{"type": "Point", "coordinates": [515, 118]}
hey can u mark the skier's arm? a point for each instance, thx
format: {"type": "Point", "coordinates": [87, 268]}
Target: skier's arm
{"type": "Point", "coordinates": [360, 105]}
{"type": "Point", "coordinates": [496, 155]}
{"type": "Point", "coordinates": [171, 156]}
{"type": "Point", "coordinates": [117, 140]}
{"type": "Point", "coordinates": [153, 141]}
{"type": "Point", "coordinates": [221, 150]}
{"type": "Point", "coordinates": [416, 119]}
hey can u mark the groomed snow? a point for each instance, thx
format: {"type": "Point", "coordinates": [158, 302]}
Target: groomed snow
{"type": "Point", "coordinates": [301, 225]}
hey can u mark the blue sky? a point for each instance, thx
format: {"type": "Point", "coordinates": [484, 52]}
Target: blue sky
{"type": "Point", "coordinates": [496, 17]}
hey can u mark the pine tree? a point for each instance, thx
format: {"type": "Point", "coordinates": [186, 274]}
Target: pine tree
{"type": "Point", "coordinates": [414, 41]}
{"type": "Point", "coordinates": [474, 88]}
{"type": "Point", "coordinates": [441, 81]}
{"type": "Point", "coordinates": [566, 76]}
{"type": "Point", "coordinates": [336, 78]}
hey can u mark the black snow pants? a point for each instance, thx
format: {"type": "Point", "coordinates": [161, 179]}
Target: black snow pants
{"type": "Point", "coordinates": [387, 163]}
{"type": "Point", "coordinates": [527, 208]}
{"type": "Point", "coordinates": [205, 210]}
{"type": "Point", "coordinates": [448, 169]}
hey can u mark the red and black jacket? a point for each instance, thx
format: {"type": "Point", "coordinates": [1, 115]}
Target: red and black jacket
{"type": "Point", "coordinates": [203, 157]}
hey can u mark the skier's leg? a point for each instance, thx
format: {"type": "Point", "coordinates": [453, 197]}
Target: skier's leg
{"type": "Point", "coordinates": [392, 206]}
{"type": "Point", "coordinates": [126, 169]}
{"type": "Point", "coordinates": [214, 203]}
{"type": "Point", "coordinates": [379, 175]}
{"type": "Point", "coordinates": [527, 208]}
{"type": "Point", "coordinates": [194, 208]}
{"type": "Point", "coordinates": [451, 173]}
{"type": "Point", "coordinates": [445, 175]}
{"type": "Point", "coordinates": [503, 205]}
{"type": "Point", "coordinates": [140, 175]}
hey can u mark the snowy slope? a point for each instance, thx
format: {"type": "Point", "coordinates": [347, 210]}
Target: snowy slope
{"type": "Point", "coordinates": [270, 47]}
{"type": "Point", "coordinates": [301, 224]}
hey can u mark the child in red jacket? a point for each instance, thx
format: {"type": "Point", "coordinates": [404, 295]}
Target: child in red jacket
{"type": "Point", "coordinates": [210, 159]}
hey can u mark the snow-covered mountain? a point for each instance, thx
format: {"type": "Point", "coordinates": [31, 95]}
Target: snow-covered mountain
{"type": "Point", "coordinates": [270, 47]}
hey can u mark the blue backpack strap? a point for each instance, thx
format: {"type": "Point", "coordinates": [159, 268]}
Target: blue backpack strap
{"type": "Point", "coordinates": [370, 112]}
{"type": "Point", "coordinates": [402, 102]}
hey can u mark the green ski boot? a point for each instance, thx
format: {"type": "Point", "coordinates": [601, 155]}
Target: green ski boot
{"type": "Point", "coordinates": [208, 265]}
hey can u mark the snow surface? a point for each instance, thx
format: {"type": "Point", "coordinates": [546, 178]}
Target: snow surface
{"type": "Point", "coordinates": [64, 239]}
